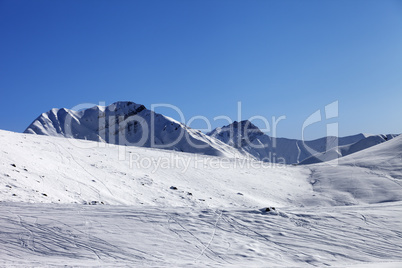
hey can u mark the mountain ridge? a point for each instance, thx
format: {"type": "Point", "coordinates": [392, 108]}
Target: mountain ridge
{"type": "Point", "coordinates": [247, 138]}
{"type": "Point", "coordinates": [129, 123]}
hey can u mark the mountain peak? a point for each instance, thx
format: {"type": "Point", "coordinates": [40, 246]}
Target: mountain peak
{"type": "Point", "coordinates": [243, 124]}
{"type": "Point", "coordinates": [237, 133]}
{"type": "Point", "coordinates": [125, 106]}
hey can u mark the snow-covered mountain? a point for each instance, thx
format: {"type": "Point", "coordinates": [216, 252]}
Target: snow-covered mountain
{"type": "Point", "coordinates": [344, 150]}
{"type": "Point", "coordinates": [248, 138]}
{"type": "Point", "coordinates": [128, 123]}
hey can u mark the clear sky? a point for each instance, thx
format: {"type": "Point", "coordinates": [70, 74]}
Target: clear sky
{"type": "Point", "coordinates": [277, 57]}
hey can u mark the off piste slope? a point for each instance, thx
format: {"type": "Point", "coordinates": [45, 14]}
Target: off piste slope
{"type": "Point", "coordinates": [373, 175]}
{"type": "Point", "coordinates": [128, 123]}
{"type": "Point", "coordinates": [248, 138]}
{"type": "Point", "coordinates": [190, 210]}
{"type": "Point", "coordinates": [36, 168]}
{"type": "Point", "coordinates": [48, 169]}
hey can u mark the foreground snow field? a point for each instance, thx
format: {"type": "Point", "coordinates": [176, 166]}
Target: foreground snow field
{"type": "Point", "coordinates": [164, 208]}
{"type": "Point", "coordinates": [54, 234]}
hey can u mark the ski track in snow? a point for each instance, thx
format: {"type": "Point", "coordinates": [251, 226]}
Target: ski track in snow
{"type": "Point", "coordinates": [298, 152]}
{"type": "Point", "coordinates": [149, 236]}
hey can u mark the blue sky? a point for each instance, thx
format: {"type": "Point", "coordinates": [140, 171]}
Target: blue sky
{"type": "Point", "coordinates": [277, 57]}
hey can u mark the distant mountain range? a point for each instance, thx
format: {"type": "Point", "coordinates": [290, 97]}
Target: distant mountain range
{"type": "Point", "coordinates": [248, 138]}
{"type": "Point", "coordinates": [128, 123]}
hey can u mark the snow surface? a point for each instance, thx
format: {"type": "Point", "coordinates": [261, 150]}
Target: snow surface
{"type": "Point", "coordinates": [211, 213]}
{"type": "Point", "coordinates": [50, 234]}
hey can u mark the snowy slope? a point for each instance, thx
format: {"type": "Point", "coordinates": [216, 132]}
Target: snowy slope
{"type": "Point", "coordinates": [48, 169]}
{"type": "Point", "coordinates": [54, 166]}
{"type": "Point", "coordinates": [127, 123]}
{"type": "Point", "coordinates": [212, 216]}
{"type": "Point", "coordinates": [247, 138]}
{"type": "Point", "coordinates": [370, 176]}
